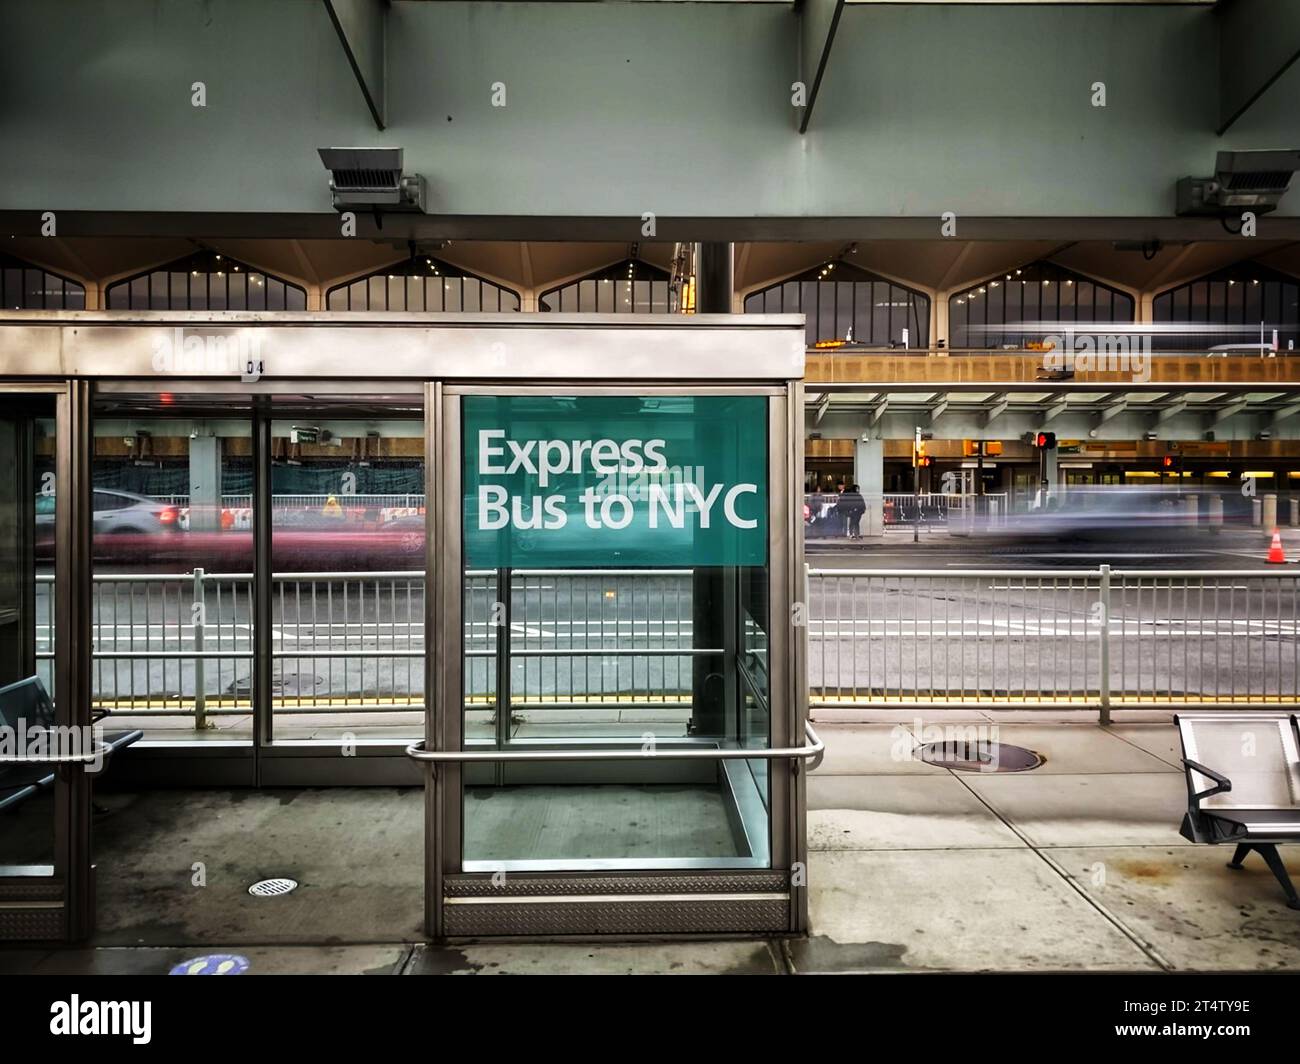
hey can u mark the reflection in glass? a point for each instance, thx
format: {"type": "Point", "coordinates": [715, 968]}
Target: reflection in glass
{"type": "Point", "coordinates": [347, 549]}
{"type": "Point", "coordinates": [173, 564]}
{"type": "Point", "coordinates": [27, 500]}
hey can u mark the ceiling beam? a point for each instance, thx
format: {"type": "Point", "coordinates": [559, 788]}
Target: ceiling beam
{"type": "Point", "coordinates": [822, 406]}
{"type": "Point", "coordinates": [1056, 407]}
{"type": "Point", "coordinates": [997, 409]}
{"type": "Point", "coordinates": [879, 411]}
{"type": "Point", "coordinates": [324, 225]}
{"type": "Point", "coordinates": [1172, 410]}
{"type": "Point", "coordinates": [1228, 410]}
{"type": "Point", "coordinates": [937, 410]}
{"type": "Point", "coordinates": [1258, 41]}
{"type": "Point", "coordinates": [818, 20]}
{"type": "Point", "coordinates": [1284, 412]}
{"type": "Point", "coordinates": [1112, 409]}
{"type": "Point", "coordinates": [360, 26]}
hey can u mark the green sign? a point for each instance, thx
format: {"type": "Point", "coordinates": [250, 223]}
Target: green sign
{"type": "Point", "coordinates": [556, 482]}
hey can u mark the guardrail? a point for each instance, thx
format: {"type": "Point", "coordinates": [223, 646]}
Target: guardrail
{"type": "Point", "coordinates": [290, 502]}
{"type": "Point", "coordinates": [957, 510]}
{"type": "Point", "coordinates": [1085, 638]}
{"type": "Point", "coordinates": [181, 644]}
{"type": "Point", "coordinates": [584, 640]}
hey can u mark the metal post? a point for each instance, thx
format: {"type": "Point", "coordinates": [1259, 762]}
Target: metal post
{"type": "Point", "coordinates": [714, 281]}
{"type": "Point", "coordinates": [1104, 655]}
{"type": "Point", "coordinates": [199, 619]}
{"type": "Point", "coordinates": [503, 670]}
{"type": "Point", "coordinates": [263, 644]}
{"type": "Point", "coordinates": [916, 485]}
{"type": "Point", "coordinates": [714, 285]}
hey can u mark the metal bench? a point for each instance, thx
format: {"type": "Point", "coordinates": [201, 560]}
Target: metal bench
{"type": "Point", "coordinates": [25, 705]}
{"type": "Point", "coordinates": [1243, 785]}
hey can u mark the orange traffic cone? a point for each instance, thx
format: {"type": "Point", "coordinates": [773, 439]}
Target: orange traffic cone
{"type": "Point", "coordinates": [1275, 554]}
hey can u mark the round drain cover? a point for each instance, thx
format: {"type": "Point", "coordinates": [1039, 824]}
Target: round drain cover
{"type": "Point", "coordinates": [212, 964]}
{"type": "Point", "coordinates": [272, 888]}
{"type": "Point", "coordinates": [980, 756]}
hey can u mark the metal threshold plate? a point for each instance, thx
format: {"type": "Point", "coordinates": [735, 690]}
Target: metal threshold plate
{"type": "Point", "coordinates": [980, 756]}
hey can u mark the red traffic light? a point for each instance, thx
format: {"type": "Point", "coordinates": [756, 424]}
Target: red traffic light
{"type": "Point", "coordinates": [1167, 461]}
{"type": "Point", "coordinates": [1045, 441]}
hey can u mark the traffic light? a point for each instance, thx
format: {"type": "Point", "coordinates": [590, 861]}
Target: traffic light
{"type": "Point", "coordinates": [1045, 441]}
{"type": "Point", "coordinates": [1167, 461]}
{"type": "Point", "coordinates": [925, 460]}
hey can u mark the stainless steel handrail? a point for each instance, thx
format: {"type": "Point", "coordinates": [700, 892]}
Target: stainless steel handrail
{"type": "Point", "coordinates": [816, 750]}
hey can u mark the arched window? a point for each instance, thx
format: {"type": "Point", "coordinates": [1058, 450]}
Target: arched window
{"type": "Point", "coordinates": [205, 281]}
{"type": "Point", "coordinates": [421, 283]}
{"type": "Point", "coordinates": [842, 301]}
{"type": "Point", "coordinates": [1247, 295]}
{"type": "Point", "coordinates": [628, 287]}
{"type": "Point", "coordinates": [991, 313]}
{"type": "Point", "coordinates": [26, 286]}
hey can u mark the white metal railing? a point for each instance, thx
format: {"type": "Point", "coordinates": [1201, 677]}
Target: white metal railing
{"type": "Point", "coordinates": [1095, 638]}
{"type": "Point", "coordinates": [181, 644]}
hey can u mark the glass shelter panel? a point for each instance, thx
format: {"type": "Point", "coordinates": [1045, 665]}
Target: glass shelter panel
{"type": "Point", "coordinates": [347, 549]}
{"type": "Point", "coordinates": [172, 618]}
{"type": "Point", "coordinates": [616, 555]}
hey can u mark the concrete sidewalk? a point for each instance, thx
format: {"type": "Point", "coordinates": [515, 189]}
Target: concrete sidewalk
{"type": "Point", "coordinates": [1074, 866]}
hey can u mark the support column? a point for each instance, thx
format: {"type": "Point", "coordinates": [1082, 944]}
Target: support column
{"type": "Point", "coordinates": [869, 474]}
{"type": "Point", "coordinates": [205, 483]}
{"type": "Point", "coordinates": [711, 678]}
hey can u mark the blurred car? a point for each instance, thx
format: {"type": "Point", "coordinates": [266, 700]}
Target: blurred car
{"type": "Point", "coordinates": [1108, 514]}
{"type": "Point", "coordinates": [115, 513]}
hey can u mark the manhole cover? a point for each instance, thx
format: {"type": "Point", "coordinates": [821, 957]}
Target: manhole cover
{"type": "Point", "coordinates": [272, 888]}
{"type": "Point", "coordinates": [980, 756]}
{"type": "Point", "coordinates": [212, 964]}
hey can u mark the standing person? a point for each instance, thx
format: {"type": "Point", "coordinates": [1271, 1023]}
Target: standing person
{"type": "Point", "coordinates": [851, 507]}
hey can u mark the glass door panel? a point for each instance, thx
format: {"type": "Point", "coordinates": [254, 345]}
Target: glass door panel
{"type": "Point", "coordinates": [172, 595]}
{"type": "Point", "coordinates": [347, 549]}
{"type": "Point", "coordinates": [615, 559]}
{"type": "Point", "coordinates": [47, 744]}
{"type": "Point", "coordinates": [27, 506]}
